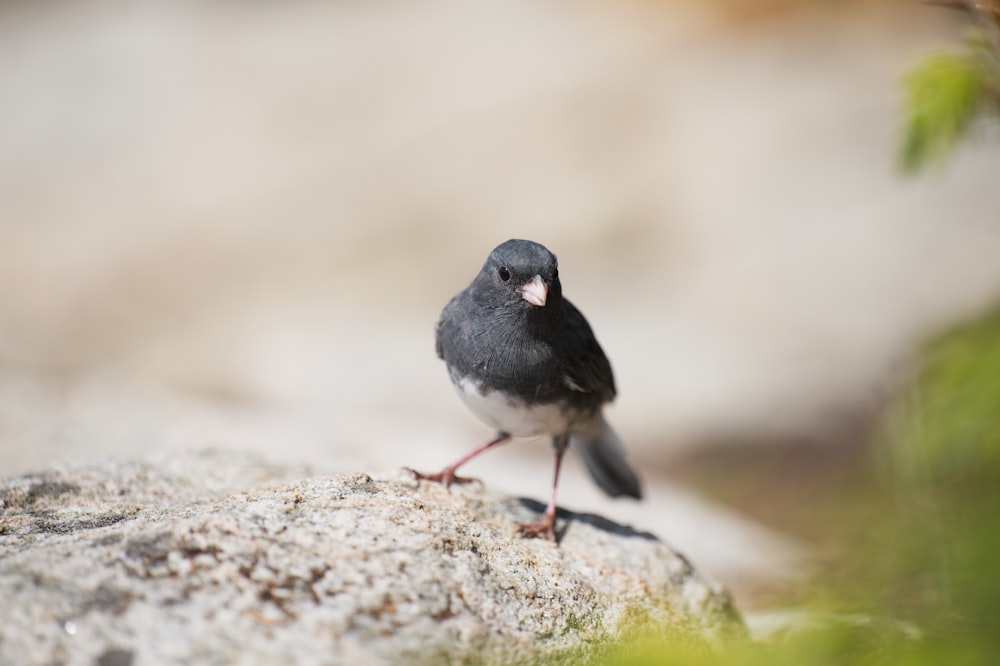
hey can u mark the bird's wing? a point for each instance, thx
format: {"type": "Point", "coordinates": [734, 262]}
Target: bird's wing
{"type": "Point", "coordinates": [585, 367]}
{"type": "Point", "coordinates": [452, 323]}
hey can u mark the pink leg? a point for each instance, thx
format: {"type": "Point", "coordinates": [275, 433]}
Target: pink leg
{"type": "Point", "coordinates": [545, 527]}
{"type": "Point", "coordinates": [447, 476]}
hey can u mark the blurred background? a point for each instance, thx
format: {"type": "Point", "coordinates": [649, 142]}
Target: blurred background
{"type": "Point", "coordinates": [233, 225]}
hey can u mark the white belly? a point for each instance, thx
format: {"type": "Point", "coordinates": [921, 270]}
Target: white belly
{"type": "Point", "coordinates": [519, 420]}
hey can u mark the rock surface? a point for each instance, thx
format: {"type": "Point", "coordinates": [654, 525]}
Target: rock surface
{"type": "Point", "coordinates": [176, 561]}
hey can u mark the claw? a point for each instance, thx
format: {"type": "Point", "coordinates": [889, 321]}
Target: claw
{"type": "Point", "coordinates": [445, 477]}
{"type": "Point", "coordinates": [544, 528]}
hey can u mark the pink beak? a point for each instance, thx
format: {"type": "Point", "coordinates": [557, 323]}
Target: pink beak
{"type": "Point", "coordinates": [534, 291]}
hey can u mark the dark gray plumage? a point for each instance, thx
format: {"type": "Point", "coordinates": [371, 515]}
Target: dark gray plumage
{"type": "Point", "coordinates": [526, 362]}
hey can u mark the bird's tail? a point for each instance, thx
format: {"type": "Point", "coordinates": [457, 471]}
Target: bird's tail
{"type": "Point", "coordinates": [604, 456]}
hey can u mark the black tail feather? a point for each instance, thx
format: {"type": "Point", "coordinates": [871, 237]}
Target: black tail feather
{"type": "Point", "coordinates": [604, 456]}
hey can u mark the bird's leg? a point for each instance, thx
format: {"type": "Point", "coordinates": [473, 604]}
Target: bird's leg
{"type": "Point", "coordinates": [545, 527]}
{"type": "Point", "coordinates": [447, 476]}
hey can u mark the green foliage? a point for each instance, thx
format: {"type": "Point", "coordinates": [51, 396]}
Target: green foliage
{"type": "Point", "coordinates": [949, 466]}
{"type": "Point", "coordinates": [920, 582]}
{"type": "Point", "coordinates": [834, 644]}
{"type": "Point", "coordinates": [943, 94]}
{"type": "Point", "coordinates": [947, 93]}
{"type": "Point", "coordinates": [956, 408]}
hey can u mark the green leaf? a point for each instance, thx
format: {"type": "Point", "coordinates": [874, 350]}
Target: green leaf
{"type": "Point", "coordinates": [943, 92]}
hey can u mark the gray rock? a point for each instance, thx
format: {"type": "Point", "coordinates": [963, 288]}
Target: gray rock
{"type": "Point", "coordinates": [171, 562]}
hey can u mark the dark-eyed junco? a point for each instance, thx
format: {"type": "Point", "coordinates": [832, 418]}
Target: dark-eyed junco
{"type": "Point", "coordinates": [525, 361]}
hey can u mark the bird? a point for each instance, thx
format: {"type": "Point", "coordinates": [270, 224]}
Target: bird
{"type": "Point", "coordinates": [525, 361]}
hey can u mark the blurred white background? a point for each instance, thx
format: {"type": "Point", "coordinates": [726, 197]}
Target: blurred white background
{"type": "Point", "coordinates": [234, 225]}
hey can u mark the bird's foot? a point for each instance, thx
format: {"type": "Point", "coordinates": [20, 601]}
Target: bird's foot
{"type": "Point", "coordinates": [446, 477]}
{"type": "Point", "coordinates": [543, 529]}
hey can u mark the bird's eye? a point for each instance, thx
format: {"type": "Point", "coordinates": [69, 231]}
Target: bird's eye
{"type": "Point", "coordinates": [504, 273]}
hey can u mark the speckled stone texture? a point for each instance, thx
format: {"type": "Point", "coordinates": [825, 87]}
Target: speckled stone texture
{"type": "Point", "coordinates": [223, 558]}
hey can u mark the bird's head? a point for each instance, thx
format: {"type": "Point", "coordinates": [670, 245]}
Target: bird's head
{"type": "Point", "coordinates": [520, 274]}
